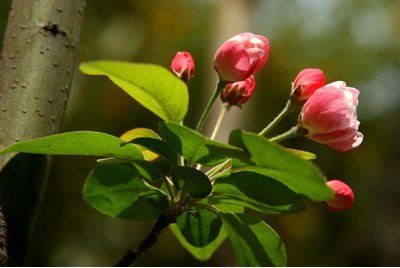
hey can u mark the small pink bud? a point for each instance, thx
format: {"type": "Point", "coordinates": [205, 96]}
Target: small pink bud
{"type": "Point", "coordinates": [306, 82]}
{"type": "Point", "coordinates": [241, 56]}
{"type": "Point", "coordinates": [183, 65]}
{"type": "Point", "coordinates": [344, 196]}
{"type": "Point", "coordinates": [238, 93]}
{"type": "Point", "coordinates": [329, 117]}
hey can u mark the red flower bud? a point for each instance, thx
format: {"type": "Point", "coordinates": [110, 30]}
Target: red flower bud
{"type": "Point", "coordinates": [344, 196]}
{"type": "Point", "coordinates": [329, 116]}
{"type": "Point", "coordinates": [238, 93]}
{"type": "Point", "coordinates": [183, 65]}
{"type": "Point", "coordinates": [241, 56]}
{"type": "Point", "coordinates": [306, 82]}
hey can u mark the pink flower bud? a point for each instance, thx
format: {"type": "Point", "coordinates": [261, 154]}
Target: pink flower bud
{"type": "Point", "coordinates": [344, 196]}
{"type": "Point", "coordinates": [183, 65]}
{"type": "Point", "coordinates": [241, 56]}
{"type": "Point", "coordinates": [238, 93]}
{"type": "Point", "coordinates": [329, 117]}
{"type": "Point", "coordinates": [306, 82]}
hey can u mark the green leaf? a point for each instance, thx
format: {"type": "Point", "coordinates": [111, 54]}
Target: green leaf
{"type": "Point", "coordinates": [113, 160]}
{"type": "Point", "coordinates": [139, 133]}
{"type": "Point", "coordinates": [155, 87]}
{"type": "Point", "coordinates": [272, 160]}
{"type": "Point", "coordinates": [77, 143]}
{"type": "Point", "coordinates": [303, 154]}
{"type": "Point", "coordinates": [195, 148]}
{"type": "Point", "coordinates": [205, 253]}
{"type": "Point", "coordinates": [158, 146]}
{"type": "Point", "coordinates": [199, 226]}
{"type": "Point", "coordinates": [192, 181]}
{"type": "Point", "coordinates": [223, 207]}
{"type": "Point", "coordinates": [258, 192]}
{"type": "Point", "coordinates": [117, 190]}
{"type": "Point", "coordinates": [253, 241]}
{"type": "Point", "coordinates": [200, 253]}
{"type": "Point", "coordinates": [147, 170]}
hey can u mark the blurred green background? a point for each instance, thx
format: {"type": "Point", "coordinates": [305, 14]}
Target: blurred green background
{"type": "Point", "coordinates": [357, 41]}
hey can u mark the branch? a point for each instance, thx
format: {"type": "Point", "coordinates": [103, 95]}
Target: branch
{"type": "Point", "coordinates": [130, 256]}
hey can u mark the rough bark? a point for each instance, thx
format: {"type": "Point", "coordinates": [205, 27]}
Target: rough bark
{"type": "Point", "coordinates": [36, 66]}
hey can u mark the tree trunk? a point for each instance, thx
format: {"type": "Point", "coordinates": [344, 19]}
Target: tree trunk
{"type": "Point", "coordinates": [35, 74]}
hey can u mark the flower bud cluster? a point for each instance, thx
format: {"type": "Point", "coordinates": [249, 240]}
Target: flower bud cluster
{"type": "Point", "coordinates": [329, 116]}
{"type": "Point", "coordinates": [328, 111]}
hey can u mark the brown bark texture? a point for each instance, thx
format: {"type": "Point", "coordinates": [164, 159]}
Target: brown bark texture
{"type": "Point", "coordinates": [36, 67]}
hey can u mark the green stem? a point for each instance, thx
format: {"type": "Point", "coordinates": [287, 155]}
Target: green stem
{"type": "Point", "coordinates": [224, 110]}
{"type": "Point", "coordinates": [291, 133]}
{"type": "Point", "coordinates": [219, 168]}
{"type": "Point", "coordinates": [220, 86]}
{"type": "Point", "coordinates": [214, 177]}
{"type": "Point", "coordinates": [208, 207]}
{"type": "Point", "coordinates": [288, 108]}
{"type": "Point", "coordinates": [215, 170]}
{"type": "Point", "coordinates": [169, 186]}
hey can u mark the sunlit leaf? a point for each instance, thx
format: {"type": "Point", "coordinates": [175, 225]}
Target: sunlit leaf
{"type": "Point", "coordinates": [272, 160]}
{"type": "Point", "coordinates": [77, 143]}
{"type": "Point", "coordinates": [141, 132]}
{"type": "Point", "coordinates": [303, 154]}
{"type": "Point", "coordinates": [155, 87]}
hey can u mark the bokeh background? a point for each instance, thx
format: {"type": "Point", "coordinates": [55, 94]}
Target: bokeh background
{"type": "Point", "coordinates": [357, 41]}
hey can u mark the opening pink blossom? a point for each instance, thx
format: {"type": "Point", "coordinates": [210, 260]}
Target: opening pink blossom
{"type": "Point", "coordinates": [329, 116]}
{"type": "Point", "coordinates": [241, 56]}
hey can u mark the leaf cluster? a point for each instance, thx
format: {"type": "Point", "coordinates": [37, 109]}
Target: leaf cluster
{"type": "Point", "coordinates": [144, 175]}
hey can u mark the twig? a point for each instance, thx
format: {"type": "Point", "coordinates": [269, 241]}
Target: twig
{"type": "Point", "coordinates": [162, 222]}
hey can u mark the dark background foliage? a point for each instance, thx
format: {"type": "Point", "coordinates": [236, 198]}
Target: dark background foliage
{"type": "Point", "coordinates": [357, 41]}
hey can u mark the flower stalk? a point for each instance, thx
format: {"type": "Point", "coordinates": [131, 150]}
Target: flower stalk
{"type": "Point", "coordinates": [224, 110]}
{"type": "Point", "coordinates": [289, 107]}
{"type": "Point", "coordinates": [291, 133]}
{"type": "Point", "coordinates": [220, 86]}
